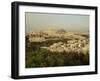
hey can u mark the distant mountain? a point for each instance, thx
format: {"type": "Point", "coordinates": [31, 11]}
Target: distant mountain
{"type": "Point", "coordinates": [51, 31]}
{"type": "Point", "coordinates": [61, 31]}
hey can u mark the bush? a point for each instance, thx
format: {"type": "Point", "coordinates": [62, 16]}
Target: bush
{"type": "Point", "coordinates": [38, 57]}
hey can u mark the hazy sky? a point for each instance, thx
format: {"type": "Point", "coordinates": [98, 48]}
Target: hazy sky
{"type": "Point", "coordinates": [69, 22]}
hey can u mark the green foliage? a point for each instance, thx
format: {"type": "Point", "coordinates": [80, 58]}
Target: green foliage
{"type": "Point", "coordinates": [38, 57]}
{"type": "Point", "coordinates": [44, 58]}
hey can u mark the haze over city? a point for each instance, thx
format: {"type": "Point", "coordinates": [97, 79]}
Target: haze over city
{"type": "Point", "coordinates": [68, 22]}
{"type": "Point", "coordinates": [56, 40]}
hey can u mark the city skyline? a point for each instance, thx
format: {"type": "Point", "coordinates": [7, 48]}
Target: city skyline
{"type": "Point", "coordinates": [68, 22]}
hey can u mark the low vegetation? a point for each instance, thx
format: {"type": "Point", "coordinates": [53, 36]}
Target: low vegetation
{"type": "Point", "coordinates": [39, 54]}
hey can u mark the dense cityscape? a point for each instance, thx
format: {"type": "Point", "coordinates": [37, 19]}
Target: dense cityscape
{"type": "Point", "coordinates": [72, 46]}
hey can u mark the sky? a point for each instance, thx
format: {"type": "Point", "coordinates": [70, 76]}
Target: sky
{"type": "Point", "coordinates": [43, 21]}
